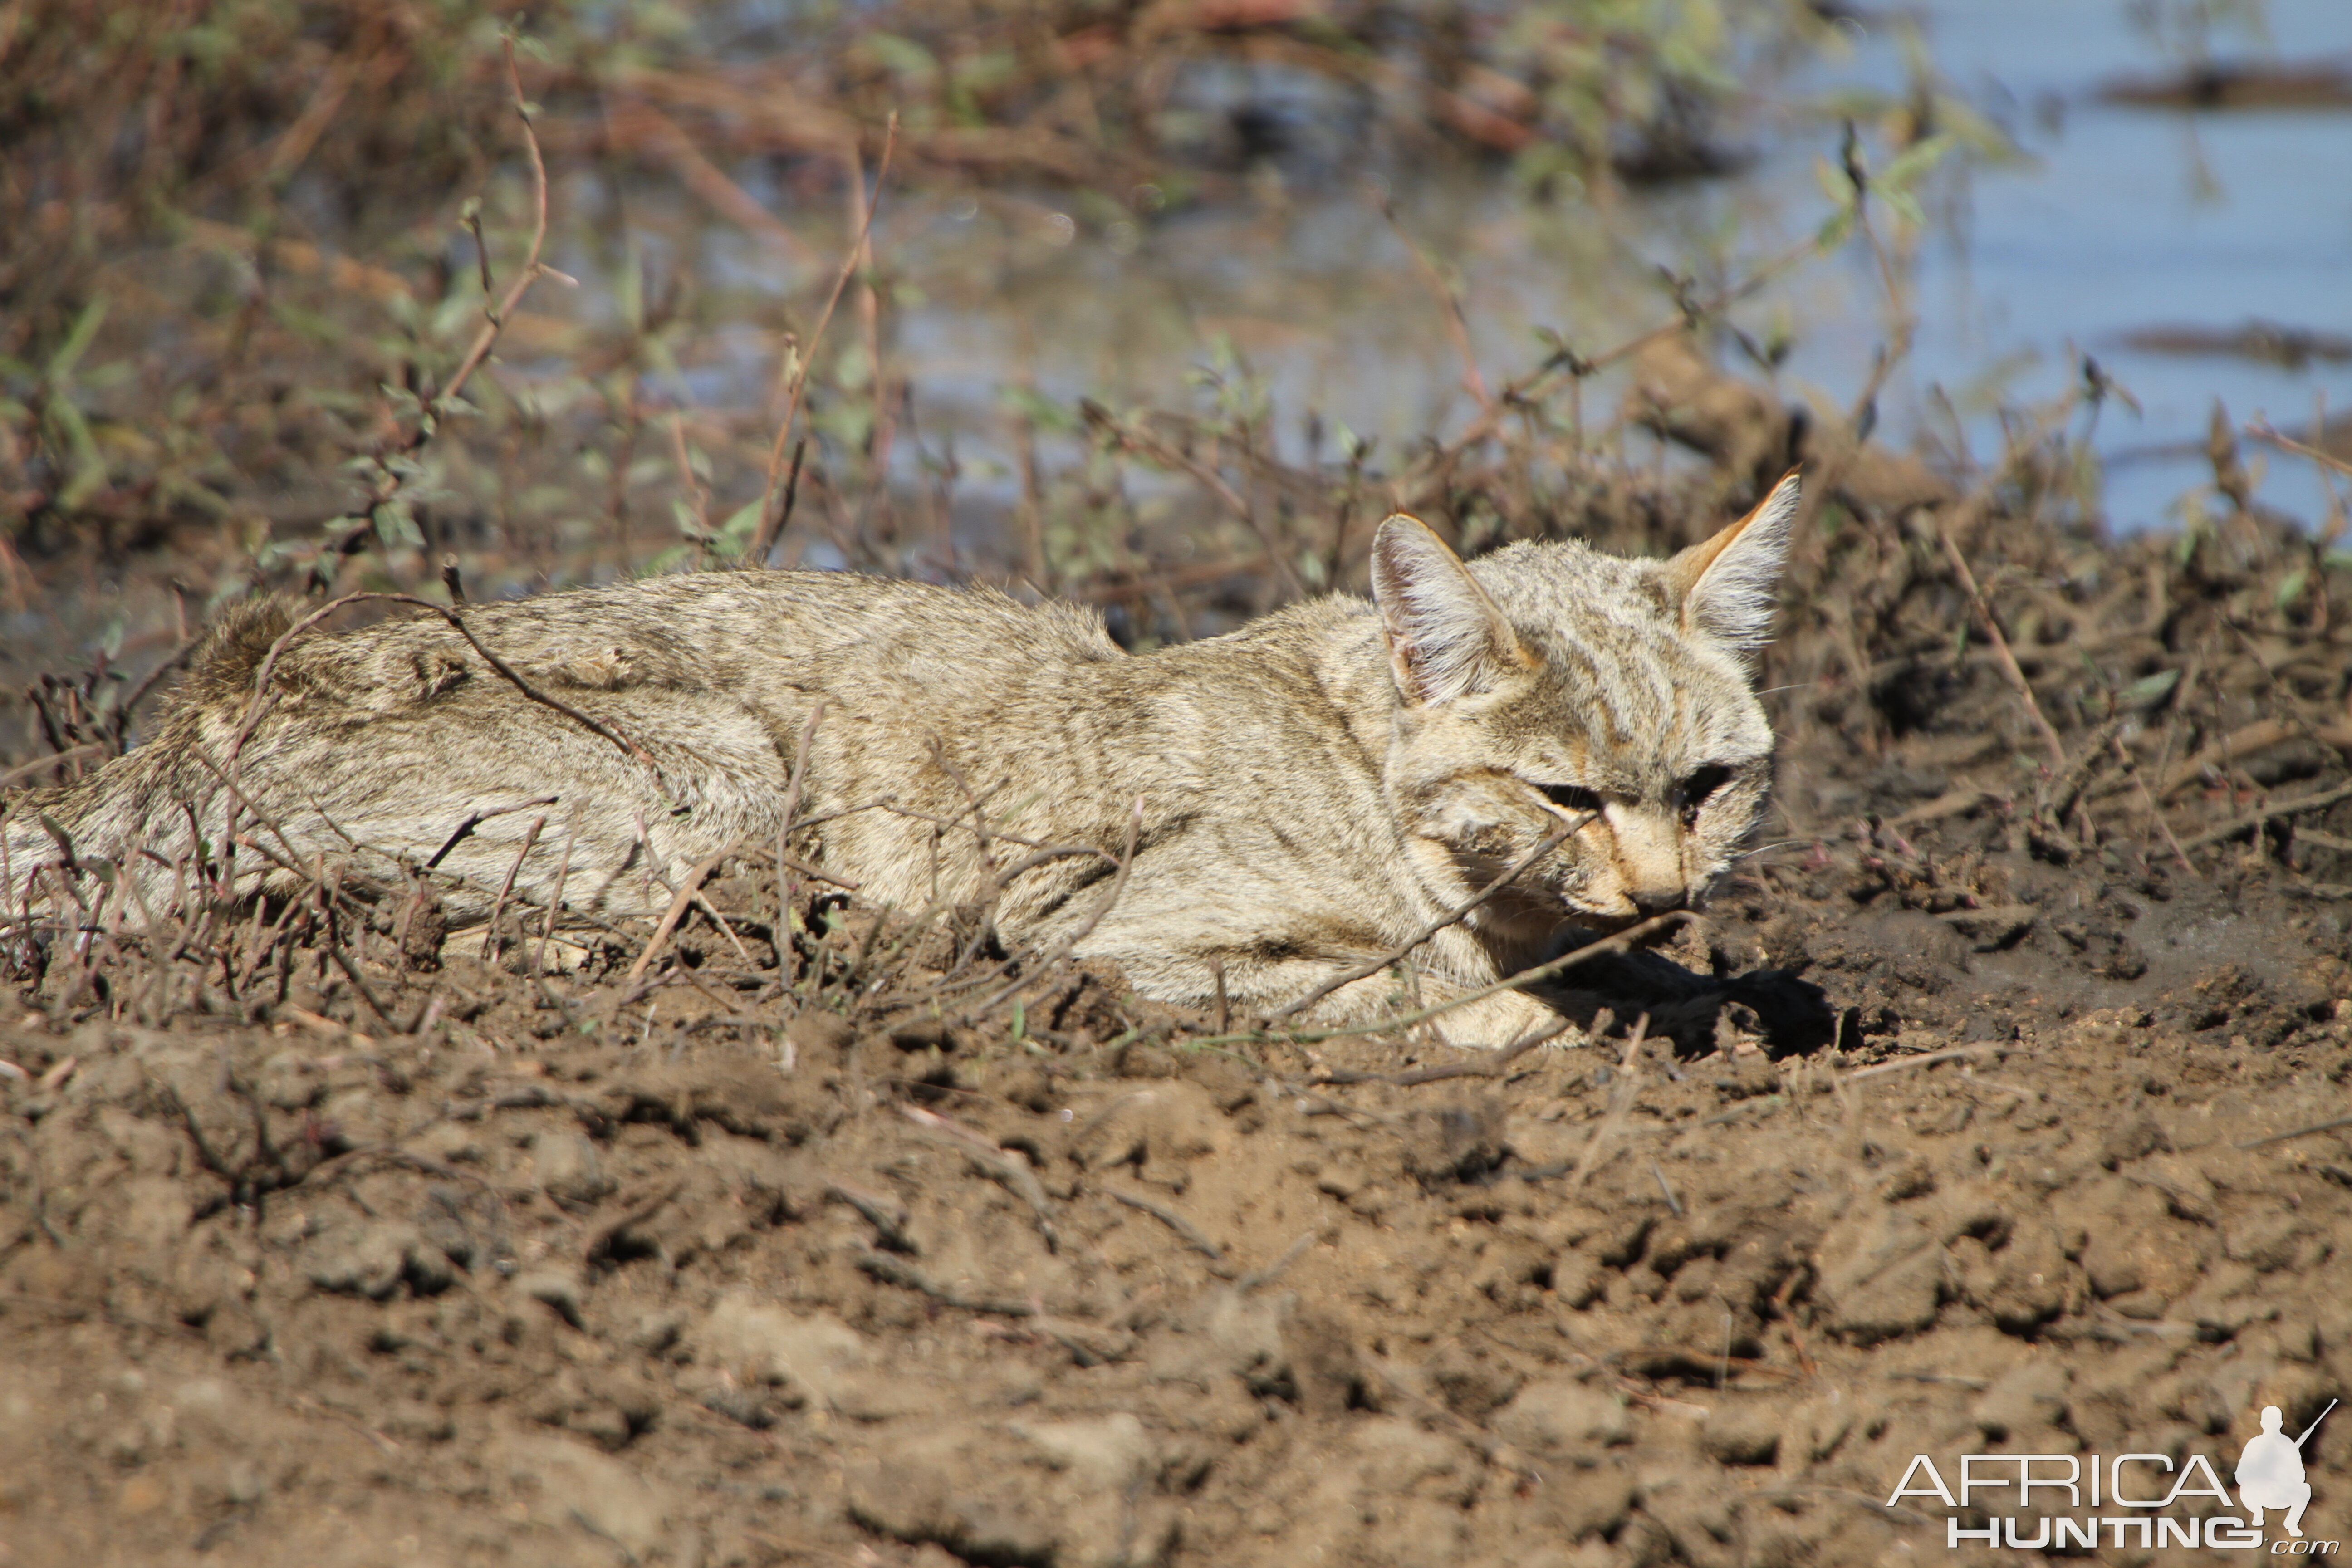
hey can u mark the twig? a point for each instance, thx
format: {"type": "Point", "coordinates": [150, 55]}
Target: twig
{"type": "Point", "coordinates": [1275, 1270]}
{"type": "Point", "coordinates": [1621, 1103]}
{"type": "Point", "coordinates": [1522, 390]}
{"type": "Point", "coordinates": [1456, 326]}
{"type": "Point", "coordinates": [2328, 1126]}
{"type": "Point", "coordinates": [2277, 812]}
{"type": "Point", "coordinates": [877, 1210]}
{"type": "Point", "coordinates": [2261, 430]}
{"type": "Point", "coordinates": [1496, 1064]}
{"type": "Point", "coordinates": [771, 513]}
{"type": "Point", "coordinates": [2155, 813]}
{"type": "Point", "coordinates": [261, 693]}
{"type": "Point", "coordinates": [555, 899]}
{"type": "Point", "coordinates": [893, 1270]}
{"type": "Point", "coordinates": [465, 829]}
{"type": "Point", "coordinates": [1673, 1201]}
{"type": "Point", "coordinates": [38, 765]}
{"type": "Point", "coordinates": [1137, 439]}
{"type": "Point", "coordinates": [388, 481]}
{"type": "Point", "coordinates": [1459, 910]}
{"type": "Point", "coordinates": [786, 894]}
{"type": "Point", "coordinates": [533, 270]}
{"type": "Point", "coordinates": [1062, 949]}
{"type": "Point", "coordinates": [1927, 1058]}
{"type": "Point", "coordinates": [1172, 1220]}
{"type": "Point", "coordinates": [677, 904]}
{"type": "Point", "coordinates": [499, 905]}
{"type": "Point", "coordinates": [1633, 936]}
{"type": "Point", "coordinates": [2001, 648]}
{"type": "Point", "coordinates": [1008, 1169]}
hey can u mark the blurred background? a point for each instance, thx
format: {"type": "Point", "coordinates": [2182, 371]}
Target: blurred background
{"type": "Point", "coordinates": [1158, 303]}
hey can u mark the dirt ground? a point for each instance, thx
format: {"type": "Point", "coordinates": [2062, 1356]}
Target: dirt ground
{"type": "Point", "coordinates": [1994, 1108]}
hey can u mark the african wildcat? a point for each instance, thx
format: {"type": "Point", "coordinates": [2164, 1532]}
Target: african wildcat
{"type": "Point", "coordinates": [1303, 795]}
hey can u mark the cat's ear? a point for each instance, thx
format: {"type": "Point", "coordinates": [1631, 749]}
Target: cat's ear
{"type": "Point", "coordinates": [1445, 636]}
{"type": "Point", "coordinates": [1727, 585]}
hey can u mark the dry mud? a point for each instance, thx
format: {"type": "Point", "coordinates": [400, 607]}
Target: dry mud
{"type": "Point", "coordinates": [533, 1287]}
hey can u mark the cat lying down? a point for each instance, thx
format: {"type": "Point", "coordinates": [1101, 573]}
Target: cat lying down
{"type": "Point", "coordinates": [1279, 807]}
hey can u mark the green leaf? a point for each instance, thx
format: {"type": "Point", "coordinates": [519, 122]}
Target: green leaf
{"type": "Point", "coordinates": [1038, 409]}
{"type": "Point", "coordinates": [1833, 183]}
{"type": "Point", "coordinates": [2149, 690]}
{"type": "Point", "coordinates": [88, 466]}
{"type": "Point", "coordinates": [740, 525]}
{"type": "Point", "coordinates": [1915, 160]}
{"type": "Point", "coordinates": [396, 527]}
{"type": "Point", "coordinates": [62, 363]}
{"type": "Point", "coordinates": [2290, 590]}
{"type": "Point", "coordinates": [1835, 231]}
{"type": "Point", "coordinates": [901, 56]}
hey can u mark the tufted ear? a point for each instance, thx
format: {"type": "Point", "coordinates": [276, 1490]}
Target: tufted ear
{"type": "Point", "coordinates": [1727, 587]}
{"type": "Point", "coordinates": [1445, 636]}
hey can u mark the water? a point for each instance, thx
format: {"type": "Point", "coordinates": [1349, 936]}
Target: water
{"type": "Point", "coordinates": [2124, 219]}
{"type": "Point", "coordinates": [2112, 220]}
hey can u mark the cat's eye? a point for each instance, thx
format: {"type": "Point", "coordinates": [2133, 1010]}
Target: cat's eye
{"type": "Point", "coordinates": [1571, 797]}
{"type": "Point", "coordinates": [1696, 790]}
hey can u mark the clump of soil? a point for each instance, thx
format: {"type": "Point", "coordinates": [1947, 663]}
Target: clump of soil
{"type": "Point", "coordinates": [677, 1290]}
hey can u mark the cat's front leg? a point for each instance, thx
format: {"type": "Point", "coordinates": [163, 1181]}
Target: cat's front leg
{"type": "Point", "coordinates": [1489, 1023]}
{"type": "Point", "coordinates": [1492, 1022]}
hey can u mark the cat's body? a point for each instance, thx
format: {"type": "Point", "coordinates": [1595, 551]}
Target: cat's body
{"type": "Point", "coordinates": [1302, 796]}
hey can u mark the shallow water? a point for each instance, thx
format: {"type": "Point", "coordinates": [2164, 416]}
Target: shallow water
{"type": "Point", "coordinates": [2124, 219]}
{"type": "Point", "coordinates": [2113, 220]}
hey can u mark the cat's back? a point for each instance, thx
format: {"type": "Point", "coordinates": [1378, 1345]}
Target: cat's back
{"type": "Point", "coordinates": [710, 631]}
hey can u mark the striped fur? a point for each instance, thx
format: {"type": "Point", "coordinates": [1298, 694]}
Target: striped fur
{"type": "Point", "coordinates": [1304, 794]}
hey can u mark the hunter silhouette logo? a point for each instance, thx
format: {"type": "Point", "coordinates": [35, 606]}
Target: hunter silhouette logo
{"type": "Point", "coordinates": [2270, 1472]}
{"type": "Point", "coordinates": [2155, 1501]}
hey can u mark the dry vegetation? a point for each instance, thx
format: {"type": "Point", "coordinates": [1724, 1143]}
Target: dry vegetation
{"type": "Point", "coordinates": [1995, 1104]}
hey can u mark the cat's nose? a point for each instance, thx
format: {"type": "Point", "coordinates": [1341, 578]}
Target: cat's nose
{"type": "Point", "coordinates": [1657, 900]}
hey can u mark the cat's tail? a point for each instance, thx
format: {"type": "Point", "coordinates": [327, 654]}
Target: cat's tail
{"type": "Point", "coordinates": [143, 834]}
{"type": "Point", "coordinates": [86, 854]}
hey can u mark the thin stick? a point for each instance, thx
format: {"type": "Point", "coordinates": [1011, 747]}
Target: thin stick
{"type": "Point", "coordinates": [1136, 438]}
{"type": "Point", "coordinates": [1621, 1102]}
{"type": "Point", "coordinates": [1630, 937]}
{"type": "Point", "coordinates": [254, 712]}
{"type": "Point", "coordinates": [1062, 949]}
{"type": "Point", "coordinates": [26, 770]}
{"type": "Point", "coordinates": [1367, 969]}
{"type": "Point", "coordinates": [1496, 1064]}
{"type": "Point", "coordinates": [533, 270]}
{"type": "Point", "coordinates": [1928, 1059]}
{"type": "Point", "coordinates": [555, 900]}
{"type": "Point", "coordinates": [2001, 648]}
{"type": "Point", "coordinates": [499, 905]}
{"type": "Point", "coordinates": [2328, 1126]}
{"type": "Point", "coordinates": [465, 829]}
{"type": "Point", "coordinates": [1456, 326]}
{"type": "Point", "coordinates": [786, 893]}
{"type": "Point", "coordinates": [2277, 812]}
{"type": "Point", "coordinates": [677, 906]}
{"type": "Point", "coordinates": [1172, 1220]}
{"type": "Point", "coordinates": [771, 513]}
{"type": "Point", "coordinates": [2260, 431]}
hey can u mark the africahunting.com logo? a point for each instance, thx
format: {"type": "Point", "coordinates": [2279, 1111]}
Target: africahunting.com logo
{"type": "Point", "coordinates": [2141, 1501]}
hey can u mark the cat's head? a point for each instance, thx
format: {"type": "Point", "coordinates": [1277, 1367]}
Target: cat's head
{"type": "Point", "coordinates": [1550, 690]}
